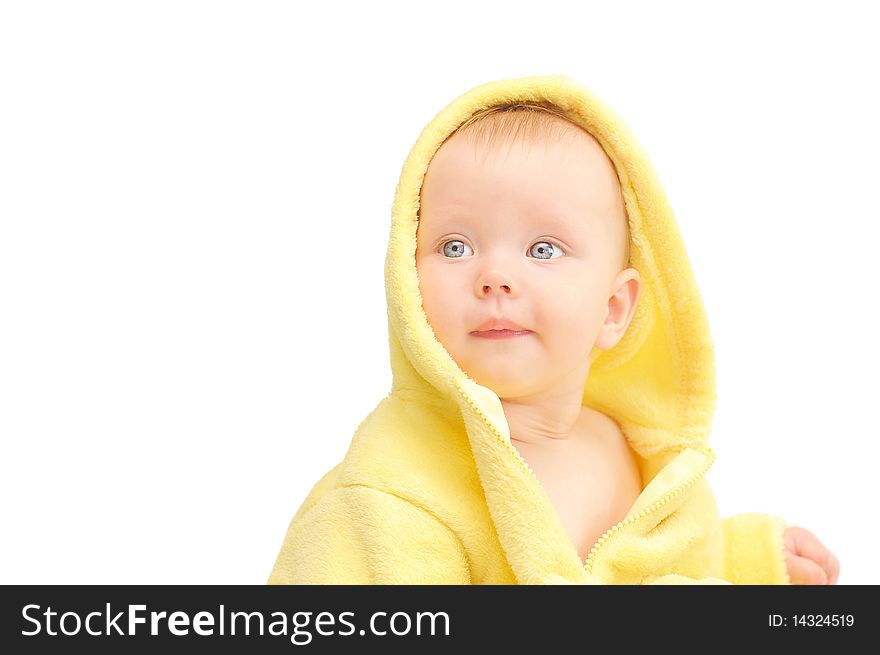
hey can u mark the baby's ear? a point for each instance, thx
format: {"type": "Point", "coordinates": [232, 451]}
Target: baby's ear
{"type": "Point", "coordinates": [626, 289]}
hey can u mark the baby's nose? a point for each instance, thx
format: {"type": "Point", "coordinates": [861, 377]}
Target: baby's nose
{"type": "Point", "coordinates": [495, 280]}
{"type": "Point", "coordinates": [503, 287]}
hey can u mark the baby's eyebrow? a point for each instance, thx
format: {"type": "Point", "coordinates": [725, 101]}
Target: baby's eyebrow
{"type": "Point", "coordinates": [543, 218]}
{"type": "Point", "coordinates": [555, 222]}
{"type": "Point", "coordinates": [565, 228]}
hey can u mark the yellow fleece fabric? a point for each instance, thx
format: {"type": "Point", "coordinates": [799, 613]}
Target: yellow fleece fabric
{"type": "Point", "coordinates": [431, 490]}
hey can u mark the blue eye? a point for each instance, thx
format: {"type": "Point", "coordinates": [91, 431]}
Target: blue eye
{"type": "Point", "coordinates": [455, 248]}
{"type": "Point", "coordinates": [545, 250]}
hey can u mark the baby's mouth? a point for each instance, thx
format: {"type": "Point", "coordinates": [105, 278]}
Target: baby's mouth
{"type": "Point", "coordinates": [500, 334]}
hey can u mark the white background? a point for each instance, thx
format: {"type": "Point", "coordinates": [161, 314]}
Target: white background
{"type": "Point", "coordinates": [195, 202]}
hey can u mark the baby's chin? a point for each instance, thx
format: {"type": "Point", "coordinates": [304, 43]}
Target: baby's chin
{"type": "Point", "coordinates": [507, 380]}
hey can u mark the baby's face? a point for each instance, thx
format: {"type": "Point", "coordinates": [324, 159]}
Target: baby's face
{"type": "Point", "coordinates": [534, 234]}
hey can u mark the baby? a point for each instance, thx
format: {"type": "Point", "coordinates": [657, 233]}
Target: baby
{"type": "Point", "coordinates": [552, 381]}
{"type": "Point", "coordinates": [522, 261]}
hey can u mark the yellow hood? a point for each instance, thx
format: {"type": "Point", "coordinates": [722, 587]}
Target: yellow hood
{"type": "Point", "coordinates": [432, 490]}
{"type": "Point", "coordinates": [659, 381]}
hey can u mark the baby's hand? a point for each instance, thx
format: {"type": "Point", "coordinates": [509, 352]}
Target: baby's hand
{"type": "Point", "coordinates": [808, 561]}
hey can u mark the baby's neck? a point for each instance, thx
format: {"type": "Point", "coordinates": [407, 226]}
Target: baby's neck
{"type": "Point", "coordinates": [543, 424]}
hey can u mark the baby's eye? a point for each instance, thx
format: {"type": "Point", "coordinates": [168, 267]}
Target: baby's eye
{"type": "Point", "coordinates": [455, 248]}
{"type": "Point", "coordinates": [545, 249]}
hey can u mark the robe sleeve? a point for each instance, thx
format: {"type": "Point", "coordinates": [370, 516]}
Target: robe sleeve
{"type": "Point", "coordinates": [754, 549]}
{"type": "Point", "coordinates": [753, 553]}
{"type": "Point", "coordinates": [361, 535]}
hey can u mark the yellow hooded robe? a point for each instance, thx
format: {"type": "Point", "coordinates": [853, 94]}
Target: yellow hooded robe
{"type": "Point", "coordinates": [431, 491]}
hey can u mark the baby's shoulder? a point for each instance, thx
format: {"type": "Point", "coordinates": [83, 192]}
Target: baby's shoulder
{"type": "Point", "coordinates": [612, 436]}
{"type": "Point", "coordinates": [602, 425]}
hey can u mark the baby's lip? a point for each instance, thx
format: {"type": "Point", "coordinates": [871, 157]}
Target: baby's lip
{"type": "Point", "coordinates": [499, 323]}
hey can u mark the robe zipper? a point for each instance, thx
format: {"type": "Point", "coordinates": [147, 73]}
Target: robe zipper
{"type": "Point", "coordinates": [665, 498]}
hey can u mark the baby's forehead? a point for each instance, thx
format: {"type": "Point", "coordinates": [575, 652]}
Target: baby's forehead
{"type": "Point", "coordinates": [555, 180]}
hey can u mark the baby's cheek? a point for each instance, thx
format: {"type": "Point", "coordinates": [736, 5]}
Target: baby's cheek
{"type": "Point", "coordinates": [432, 297]}
{"type": "Point", "coordinates": [454, 312]}
{"type": "Point", "coordinates": [443, 319]}
{"type": "Point", "coordinates": [570, 338]}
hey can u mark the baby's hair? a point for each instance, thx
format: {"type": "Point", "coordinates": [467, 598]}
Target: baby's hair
{"type": "Point", "coordinates": [509, 122]}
